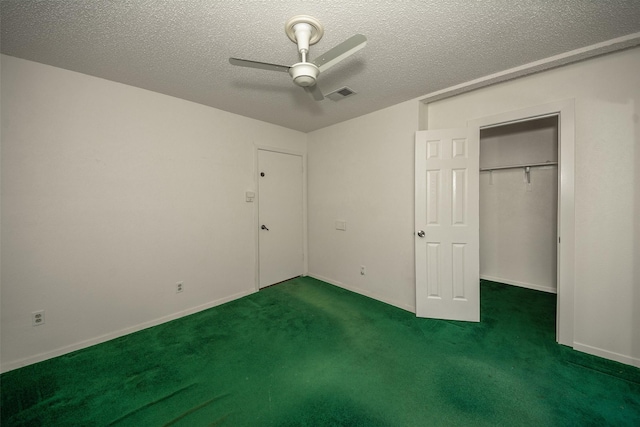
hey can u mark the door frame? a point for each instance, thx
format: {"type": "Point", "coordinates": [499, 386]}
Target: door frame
{"type": "Point", "coordinates": [256, 208]}
{"type": "Point", "coordinates": [565, 111]}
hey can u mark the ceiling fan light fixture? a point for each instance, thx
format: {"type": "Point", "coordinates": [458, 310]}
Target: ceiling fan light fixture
{"type": "Point", "coordinates": [304, 74]}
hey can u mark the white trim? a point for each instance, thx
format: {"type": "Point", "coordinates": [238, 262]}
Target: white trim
{"type": "Point", "coordinates": [9, 366]}
{"type": "Point", "coordinates": [565, 110]}
{"type": "Point", "coordinates": [256, 211]}
{"type": "Point", "coordinates": [566, 58]}
{"type": "Point", "coordinates": [533, 286]}
{"type": "Point", "coordinates": [365, 292]}
{"type": "Point", "coordinates": [627, 360]}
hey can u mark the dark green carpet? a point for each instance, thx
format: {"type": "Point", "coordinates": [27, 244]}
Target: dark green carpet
{"type": "Point", "coordinates": [305, 353]}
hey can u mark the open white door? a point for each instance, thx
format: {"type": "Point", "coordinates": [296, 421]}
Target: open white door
{"type": "Point", "coordinates": [447, 235]}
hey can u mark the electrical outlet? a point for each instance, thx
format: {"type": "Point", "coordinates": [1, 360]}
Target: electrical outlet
{"type": "Point", "coordinates": [37, 318]}
{"type": "Point", "coordinates": [363, 270]}
{"type": "Point", "coordinates": [179, 287]}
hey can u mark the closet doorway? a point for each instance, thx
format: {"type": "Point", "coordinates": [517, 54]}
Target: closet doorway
{"type": "Point", "coordinates": [564, 112]}
{"type": "Point", "coordinates": [447, 176]}
{"type": "Point", "coordinates": [519, 204]}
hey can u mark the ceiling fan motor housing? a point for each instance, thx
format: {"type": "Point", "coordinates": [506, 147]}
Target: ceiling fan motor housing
{"type": "Point", "coordinates": [304, 74]}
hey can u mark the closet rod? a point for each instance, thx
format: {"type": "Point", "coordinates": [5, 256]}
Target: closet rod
{"type": "Point", "coordinates": [530, 165]}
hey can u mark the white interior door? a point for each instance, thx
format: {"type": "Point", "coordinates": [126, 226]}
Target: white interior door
{"type": "Point", "coordinates": [280, 213]}
{"type": "Point", "coordinates": [447, 224]}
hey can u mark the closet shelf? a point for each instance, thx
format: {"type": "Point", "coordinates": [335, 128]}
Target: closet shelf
{"type": "Point", "coordinates": [530, 165]}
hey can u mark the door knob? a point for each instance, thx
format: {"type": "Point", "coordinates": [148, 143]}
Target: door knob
{"type": "Point", "coordinates": [420, 233]}
{"type": "Point", "coordinates": [264, 227]}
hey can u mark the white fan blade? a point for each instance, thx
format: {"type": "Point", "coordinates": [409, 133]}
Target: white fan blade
{"type": "Point", "coordinates": [340, 52]}
{"type": "Point", "coordinates": [315, 92]}
{"type": "Point", "coordinates": [259, 65]}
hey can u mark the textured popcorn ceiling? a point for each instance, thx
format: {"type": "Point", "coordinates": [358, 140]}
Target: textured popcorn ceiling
{"type": "Point", "coordinates": [181, 48]}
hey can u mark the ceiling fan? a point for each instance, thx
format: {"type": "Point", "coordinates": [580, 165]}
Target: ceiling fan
{"type": "Point", "coordinates": [304, 31]}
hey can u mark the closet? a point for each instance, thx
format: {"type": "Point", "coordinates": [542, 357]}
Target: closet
{"type": "Point", "coordinates": [519, 204]}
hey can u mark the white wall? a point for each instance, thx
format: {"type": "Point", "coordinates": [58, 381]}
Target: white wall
{"type": "Point", "coordinates": [361, 172]}
{"type": "Point", "coordinates": [607, 186]}
{"type": "Point", "coordinates": [110, 195]}
{"type": "Point", "coordinates": [518, 219]}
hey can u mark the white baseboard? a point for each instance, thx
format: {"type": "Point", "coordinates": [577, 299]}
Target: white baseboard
{"type": "Point", "coordinates": [9, 366]}
{"type": "Point", "coordinates": [365, 292]}
{"type": "Point", "coordinates": [533, 286]}
{"type": "Point", "coordinates": [627, 360]}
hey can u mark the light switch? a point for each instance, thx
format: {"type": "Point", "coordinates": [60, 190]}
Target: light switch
{"type": "Point", "coordinates": [250, 196]}
{"type": "Point", "coordinates": [341, 225]}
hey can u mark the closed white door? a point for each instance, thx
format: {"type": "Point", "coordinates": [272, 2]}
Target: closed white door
{"type": "Point", "coordinates": [281, 252]}
{"type": "Point", "coordinates": [447, 225]}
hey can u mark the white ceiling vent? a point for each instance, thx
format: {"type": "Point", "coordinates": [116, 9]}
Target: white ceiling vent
{"type": "Point", "coordinates": [340, 94]}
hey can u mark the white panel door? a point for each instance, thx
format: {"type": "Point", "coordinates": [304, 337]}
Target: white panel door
{"type": "Point", "coordinates": [280, 241]}
{"type": "Point", "coordinates": [447, 224]}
